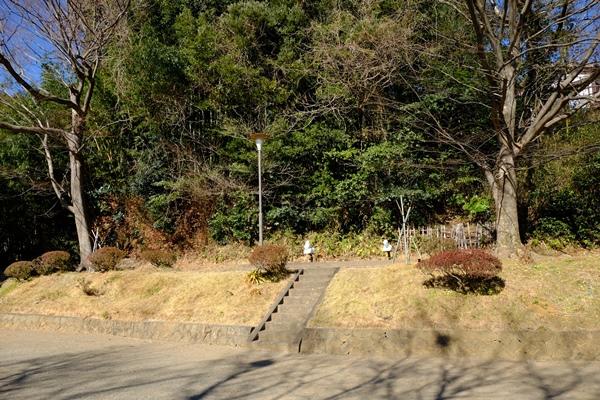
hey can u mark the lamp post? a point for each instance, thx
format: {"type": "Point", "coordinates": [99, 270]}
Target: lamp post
{"type": "Point", "coordinates": [259, 139]}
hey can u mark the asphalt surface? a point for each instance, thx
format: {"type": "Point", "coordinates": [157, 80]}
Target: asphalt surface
{"type": "Point", "coordinates": [48, 365]}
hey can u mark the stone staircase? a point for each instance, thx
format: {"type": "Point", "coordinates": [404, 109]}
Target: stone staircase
{"type": "Point", "coordinates": [283, 326]}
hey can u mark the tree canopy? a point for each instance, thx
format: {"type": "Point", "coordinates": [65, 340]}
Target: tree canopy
{"type": "Point", "coordinates": [362, 102]}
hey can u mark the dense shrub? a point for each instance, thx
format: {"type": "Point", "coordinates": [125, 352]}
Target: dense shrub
{"type": "Point", "coordinates": [554, 233]}
{"type": "Point", "coordinates": [465, 271]}
{"type": "Point", "coordinates": [20, 270]}
{"type": "Point", "coordinates": [53, 261]}
{"type": "Point", "coordinates": [270, 260]}
{"type": "Point", "coordinates": [159, 258]}
{"type": "Point", "coordinates": [432, 245]}
{"type": "Point", "coordinates": [106, 258]}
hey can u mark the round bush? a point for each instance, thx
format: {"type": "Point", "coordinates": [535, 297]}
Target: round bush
{"type": "Point", "coordinates": [474, 263]}
{"type": "Point", "coordinates": [159, 258]}
{"type": "Point", "coordinates": [270, 259]}
{"type": "Point", "coordinates": [106, 258]}
{"type": "Point", "coordinates": [464, 271]}
{"type": "Point", "coordinates": [20, 270]}
{"type": "Point", "coordinates": [53, 261]}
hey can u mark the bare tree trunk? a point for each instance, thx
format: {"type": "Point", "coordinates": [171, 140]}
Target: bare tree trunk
{"type": "Point", "coordinates": [504, 189]}
{"type": "Point", "coordinates": [78, 207]}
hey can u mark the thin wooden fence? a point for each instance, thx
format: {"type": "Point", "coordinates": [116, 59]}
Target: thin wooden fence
{"type": "Point", "coordinates": [466, 236]}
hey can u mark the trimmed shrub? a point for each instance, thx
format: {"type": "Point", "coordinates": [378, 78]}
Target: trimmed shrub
{"type": "Point", "coordinates": [106, 258]}
{"type": "Point", "coordinates": [465, 271]}
{"type": "Point", "coordinates": [159, 258]}
{"type": "Point", "coordinates": [270, 260]}
{"type": "Point", "coordinates": [21, 270]}
{"type": "Point", "coordinates": [53, 261]}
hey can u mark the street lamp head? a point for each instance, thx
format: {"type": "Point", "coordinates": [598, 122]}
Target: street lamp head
{"type": "Point", "coordinates": [259, 139]}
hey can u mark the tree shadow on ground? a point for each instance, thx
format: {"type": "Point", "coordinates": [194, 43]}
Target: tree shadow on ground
{"type": "Point", "coordinates": [470, 285]}
{"type": "Point", "coordinates": [146, 371]}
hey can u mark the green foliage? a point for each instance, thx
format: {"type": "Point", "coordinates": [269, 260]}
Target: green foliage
{"type": "Point", "coordinates": [235, 218]}
{"type": "Point", "coordinates": [53, 261]}
{"type": "Point", "coordinates": [32, 222]}
{"type": "Point", "coordinates": [478, 207]}
{"type": "Point", "coordinates": [341, 88]}
{"type": "Point", "coordinates": [106, 258]}
{"type": "Point", "coordinates": [21, 270]}
{"type": "Point", "coordinates": [554, 233]}
{"type": "Point", "coordinates": [565, 198]}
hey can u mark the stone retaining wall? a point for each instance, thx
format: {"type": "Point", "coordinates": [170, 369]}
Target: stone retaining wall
{"type": "Point", "coordinates": [541, 344]}
{"type": "Point", "coordinates": [231, 335]}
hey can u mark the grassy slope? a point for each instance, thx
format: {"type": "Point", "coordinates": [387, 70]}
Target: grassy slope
{"type": "Point", "coordinates": [560, 294]}
{"type": "Point", "coordinates": [213, 297]}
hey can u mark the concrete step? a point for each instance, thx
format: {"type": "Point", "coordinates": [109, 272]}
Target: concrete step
{"type": "Point", "coordinates": [307, 301]}
{"type": "Point", "coordinates": [306, 292]}
{"type": "Point", "coordinates": [301, 309]}
{"type": "Point", "coordinates": [317, 286]}
{"type": "Point", "coordinates": [283, 324]}
{"type": "Point", "coordinates": [314, 280]}
{"type": "Point", "coordinates": [288, 318]}
{"type": "Point", "coordinates": [318, 272]}
{"type": "Point", "coordinates": [275, 335]}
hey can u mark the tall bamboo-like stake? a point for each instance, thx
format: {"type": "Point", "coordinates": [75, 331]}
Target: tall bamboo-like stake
{"type": "Point", "coordinates": [260, 213]}
{"type": "Point", "coordinates": [405, 215]}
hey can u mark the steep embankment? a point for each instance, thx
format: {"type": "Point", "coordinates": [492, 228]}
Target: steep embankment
{"type": "Point", "coordinates": [207, 297]}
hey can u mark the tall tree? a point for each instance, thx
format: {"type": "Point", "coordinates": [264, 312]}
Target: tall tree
{"type": "Point", "coordinates": [537, 57]}
{"type": "Point", "coordinates": [68, 39]}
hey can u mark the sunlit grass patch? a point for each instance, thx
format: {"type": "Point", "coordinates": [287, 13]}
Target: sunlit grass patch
{"type": "Point", "coordinates": [554, 293]}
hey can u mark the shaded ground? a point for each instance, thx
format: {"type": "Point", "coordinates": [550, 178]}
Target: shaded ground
{"type": "Point", "coordinates": [61, 366]}
{"type": "Point", "coordinates": [557, 293]}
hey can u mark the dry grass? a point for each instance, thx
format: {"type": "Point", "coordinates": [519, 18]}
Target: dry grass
{"type": "Point", "coordinates": [216, 298]}
{"type": "Point", "coordinates": [559, 293]}
{"type": "Point", "coordinates": [224, 261]}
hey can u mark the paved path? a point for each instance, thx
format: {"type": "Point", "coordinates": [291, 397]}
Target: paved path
{"type": "Point", "coordinates": [372, 263]}
{"type": "Point", "coordinates": [43, 365]}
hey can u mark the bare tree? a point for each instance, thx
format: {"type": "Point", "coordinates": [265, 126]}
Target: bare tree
{"type": "Point", "coordinates": [537, 57]}
{"type": "Point", "coordinates": [69, 38]}
{"type": "Point", "coordinates": [357, 58]}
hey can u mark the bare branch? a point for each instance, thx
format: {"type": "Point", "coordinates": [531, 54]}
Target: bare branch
{"type": "Point", "coordinates": [31, 129]}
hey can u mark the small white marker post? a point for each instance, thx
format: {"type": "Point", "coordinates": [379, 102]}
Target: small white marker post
{"type": "Point", "coordinates": [308, 250]}
{"type": "Point", "coordinates": [387, 248]}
